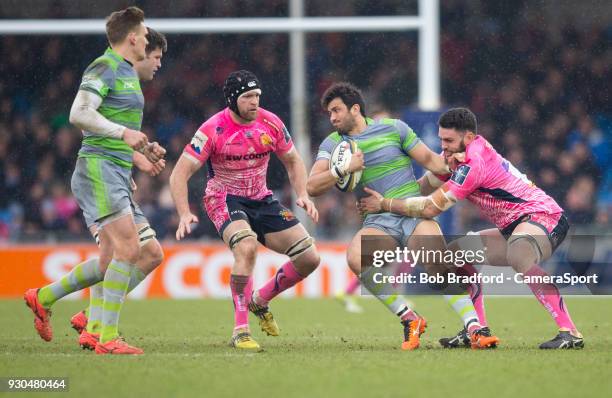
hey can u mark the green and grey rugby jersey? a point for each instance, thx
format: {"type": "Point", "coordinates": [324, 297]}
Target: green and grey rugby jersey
{"type": "Point", "coordinates": [385, 144]}
{"type": "Point", "coordinates": [115, 80]}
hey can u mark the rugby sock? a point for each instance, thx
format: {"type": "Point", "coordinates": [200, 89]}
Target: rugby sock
{"type": "Point", "coordinates": [286, 277]}
{"type": "Point", "coordinates": [94, 311]}
{"type": "Point", "coordinates": [475, 291]}
{"type": "Point", "coordinates": [96, 299]}
{"type": "Point", "coordinates": [352, 286]}
{"type": "Point", "coordinates": [81, 276]}
{"type": "Point", "coordinates": [463, 306]}
{"type": "Point", "coordinates": [136, 277]}
{"type": "Point", "coordinates": [394, 302]}
{"type": "Point", "coordinates": [242, 287]}
{"type": "Point", "coordinates": [548, 295]}
{"type": "Point", "coordinates": [115, 285]}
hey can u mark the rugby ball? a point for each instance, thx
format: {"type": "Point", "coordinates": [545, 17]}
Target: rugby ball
{"type": "Point", "coordinates": [341, 157]}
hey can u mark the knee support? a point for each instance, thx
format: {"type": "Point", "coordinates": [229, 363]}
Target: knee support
{"type": "Point", "coordinates": [145, 234]}
{"type": "Point", "coordinates": [240, 235]}
{"type": "Point", "coordinates": [531, 240]}
{"type": "Point", "coordinates": [299, 247]}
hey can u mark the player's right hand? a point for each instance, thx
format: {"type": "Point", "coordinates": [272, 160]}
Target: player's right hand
{"type": "Point", "coordinates": [154, 152]}
{"type": "Point", "coordinates": [137, 140]}
{"type": "Point", "coordinates": [184, 226]}
{"type": "Point", "coordinates": [356, 162]}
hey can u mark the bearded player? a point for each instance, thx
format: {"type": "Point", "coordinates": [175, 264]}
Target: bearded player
{"type": "Point", "coordinates": [387, 148]}
{"type": "Point", "coordinates": [236, 144]}
{"type": "Point", "coordinates": [530, 224]}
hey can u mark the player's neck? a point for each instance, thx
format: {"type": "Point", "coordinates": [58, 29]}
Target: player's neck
{"type": "Point", "coordinates": [123, 50]}
{"type": "Point", "coordinates": [360, 126]}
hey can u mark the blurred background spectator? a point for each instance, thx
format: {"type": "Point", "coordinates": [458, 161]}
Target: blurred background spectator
{"type": "Point", "coordinates": [537, 79]}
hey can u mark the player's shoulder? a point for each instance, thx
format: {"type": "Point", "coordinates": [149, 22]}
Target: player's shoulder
{"type": "Point", "coordinates": [214, 124]}
{"type": "Point", "coordinates": [105, 63]}
{"type": "Point", "coordinates": [385, 125]}
{"type": "Point", "coordinates": [333, 137]}
{"type": "Point", "coordinates": [270, 119]}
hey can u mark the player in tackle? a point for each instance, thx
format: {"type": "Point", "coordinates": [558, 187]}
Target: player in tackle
{"type": "Point", "coordinates": [236, 144]}
{"type": "Point", "coordinates": [386, 149]}
{"type": "Point", "coordinates": [89, 321]}
{"type": "Point", "coordinates": [530, 224]}
{"type": "Point", "coordinates": [108, 109]}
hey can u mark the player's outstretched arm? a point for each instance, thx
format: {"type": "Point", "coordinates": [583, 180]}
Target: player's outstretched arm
{"type": "Point", "coordinates": [297, 177]}
{"type": "Point", "coordinates": [420, 206]}
{"type": "Point", "coordinates": [429, 159]}
{"type": "Point", "coordinates": [84, 115]}
{"type": "Point", "coordinates": [182, 172]}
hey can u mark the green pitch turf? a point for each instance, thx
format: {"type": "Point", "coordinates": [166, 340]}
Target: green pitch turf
{"type": "Point", "coordinates": [323, 351]}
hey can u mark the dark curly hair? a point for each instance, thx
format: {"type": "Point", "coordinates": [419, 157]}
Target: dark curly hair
{"type": "Point", "coordinates": [348, 93]}
{"type": "Point", "coordinates": [460, 119]}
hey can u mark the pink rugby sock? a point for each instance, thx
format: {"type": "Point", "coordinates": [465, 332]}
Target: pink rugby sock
{"type": "Point", "coordinates": [352, 285]}
{"type": "Point", "coordinates": [286, 277]}
{"type": "Point", "coordinates": [242, 287]}
{"type": "Point", "coordinates": [548, 295]}
{"type": "Point", "coordinates": [475, 291]}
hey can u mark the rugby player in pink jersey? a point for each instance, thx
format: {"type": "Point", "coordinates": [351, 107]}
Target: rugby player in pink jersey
{"type": "Point", "coordinates": [236, 145]}
{"type": "Point", "coordinates": [530, 222]}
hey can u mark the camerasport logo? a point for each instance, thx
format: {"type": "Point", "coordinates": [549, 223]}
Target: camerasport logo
{"type": "Point", "coordinates": [287, 215]}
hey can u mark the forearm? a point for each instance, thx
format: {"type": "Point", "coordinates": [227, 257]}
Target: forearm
{"type": "Point", "coordinates": [297, 177]}
{"type": "Point", "coordinates": [320, 183]}
{"type": "Point", "coordinates": [180, 192]}
{"type": "Point", "coordinates": [428, 183]}
{"type": "Point", "coordinates": [139, 160]}
{"type": "Point", "coordinates": [84, 115]}
{"type": "Point", "coordinates": [418, 207]}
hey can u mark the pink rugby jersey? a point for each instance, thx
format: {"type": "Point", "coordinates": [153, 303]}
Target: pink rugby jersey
{"type": "Point", "coordinates": [237, 155]}
{"type": "Point", "coordinates": [492, 183]}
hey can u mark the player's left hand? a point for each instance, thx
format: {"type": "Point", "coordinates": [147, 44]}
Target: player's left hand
{"type": "Point", "coordinates": [305, 203]}
{"type": "Point", "coordinates": [372, 203]}
{"type": "Point", "coordinates": [154, 152]}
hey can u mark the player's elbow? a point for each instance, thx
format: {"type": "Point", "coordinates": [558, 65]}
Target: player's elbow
{"type": "Point", "coordinates": [311, 188]}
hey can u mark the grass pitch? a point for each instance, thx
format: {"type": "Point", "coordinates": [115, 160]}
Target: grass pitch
{"type": "Point", "coordinates": [323, 351]}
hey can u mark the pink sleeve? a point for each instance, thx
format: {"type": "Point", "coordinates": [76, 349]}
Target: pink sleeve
{"type": "Point", "coordinates": [465, 179]}
{"type": "Point", "coordinates": [201, 145]}
{"type": "Point", "coordinates": [284, 143]}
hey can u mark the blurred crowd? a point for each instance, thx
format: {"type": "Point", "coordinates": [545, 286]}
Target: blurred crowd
{"type": "Point", "coordinates": [541, 97]}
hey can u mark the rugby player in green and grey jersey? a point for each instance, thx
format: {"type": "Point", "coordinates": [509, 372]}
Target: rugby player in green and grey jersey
{"type": "Point", "coordinates": [108, 109]}
{"type": "Point", "coordinates": [386, 150]}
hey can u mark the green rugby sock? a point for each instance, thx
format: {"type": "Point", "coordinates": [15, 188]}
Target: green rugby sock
{"type": "Point", "coordinates": [81, 276]}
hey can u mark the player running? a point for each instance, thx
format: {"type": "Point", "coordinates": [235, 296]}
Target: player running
{"type": "Point", "coordinates": [236, 144]}
{"type": "Point", "coordinates": [89, 321]}
{"type": "Point", "coordinates": [108, 108]}
{"type": "Point", "coordinates": [531, 221]}
{"type": "Point", "coordinates": [386, 149]}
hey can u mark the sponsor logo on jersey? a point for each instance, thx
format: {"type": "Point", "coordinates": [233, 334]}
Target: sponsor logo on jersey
{"type": "Point", "coordinates": [460, 174]}
{"type": "Point", "coordinates": [249, 134]}
{"type": "Point", "coordinates": [248, 156]}
{"type": "Point", "coordinates": [219, 130]}
{"type": "Point", "coordinates": [198, 141]}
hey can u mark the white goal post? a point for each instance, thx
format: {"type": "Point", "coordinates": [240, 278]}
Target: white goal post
{"type": "Point", "coordinates": [296, 25]}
